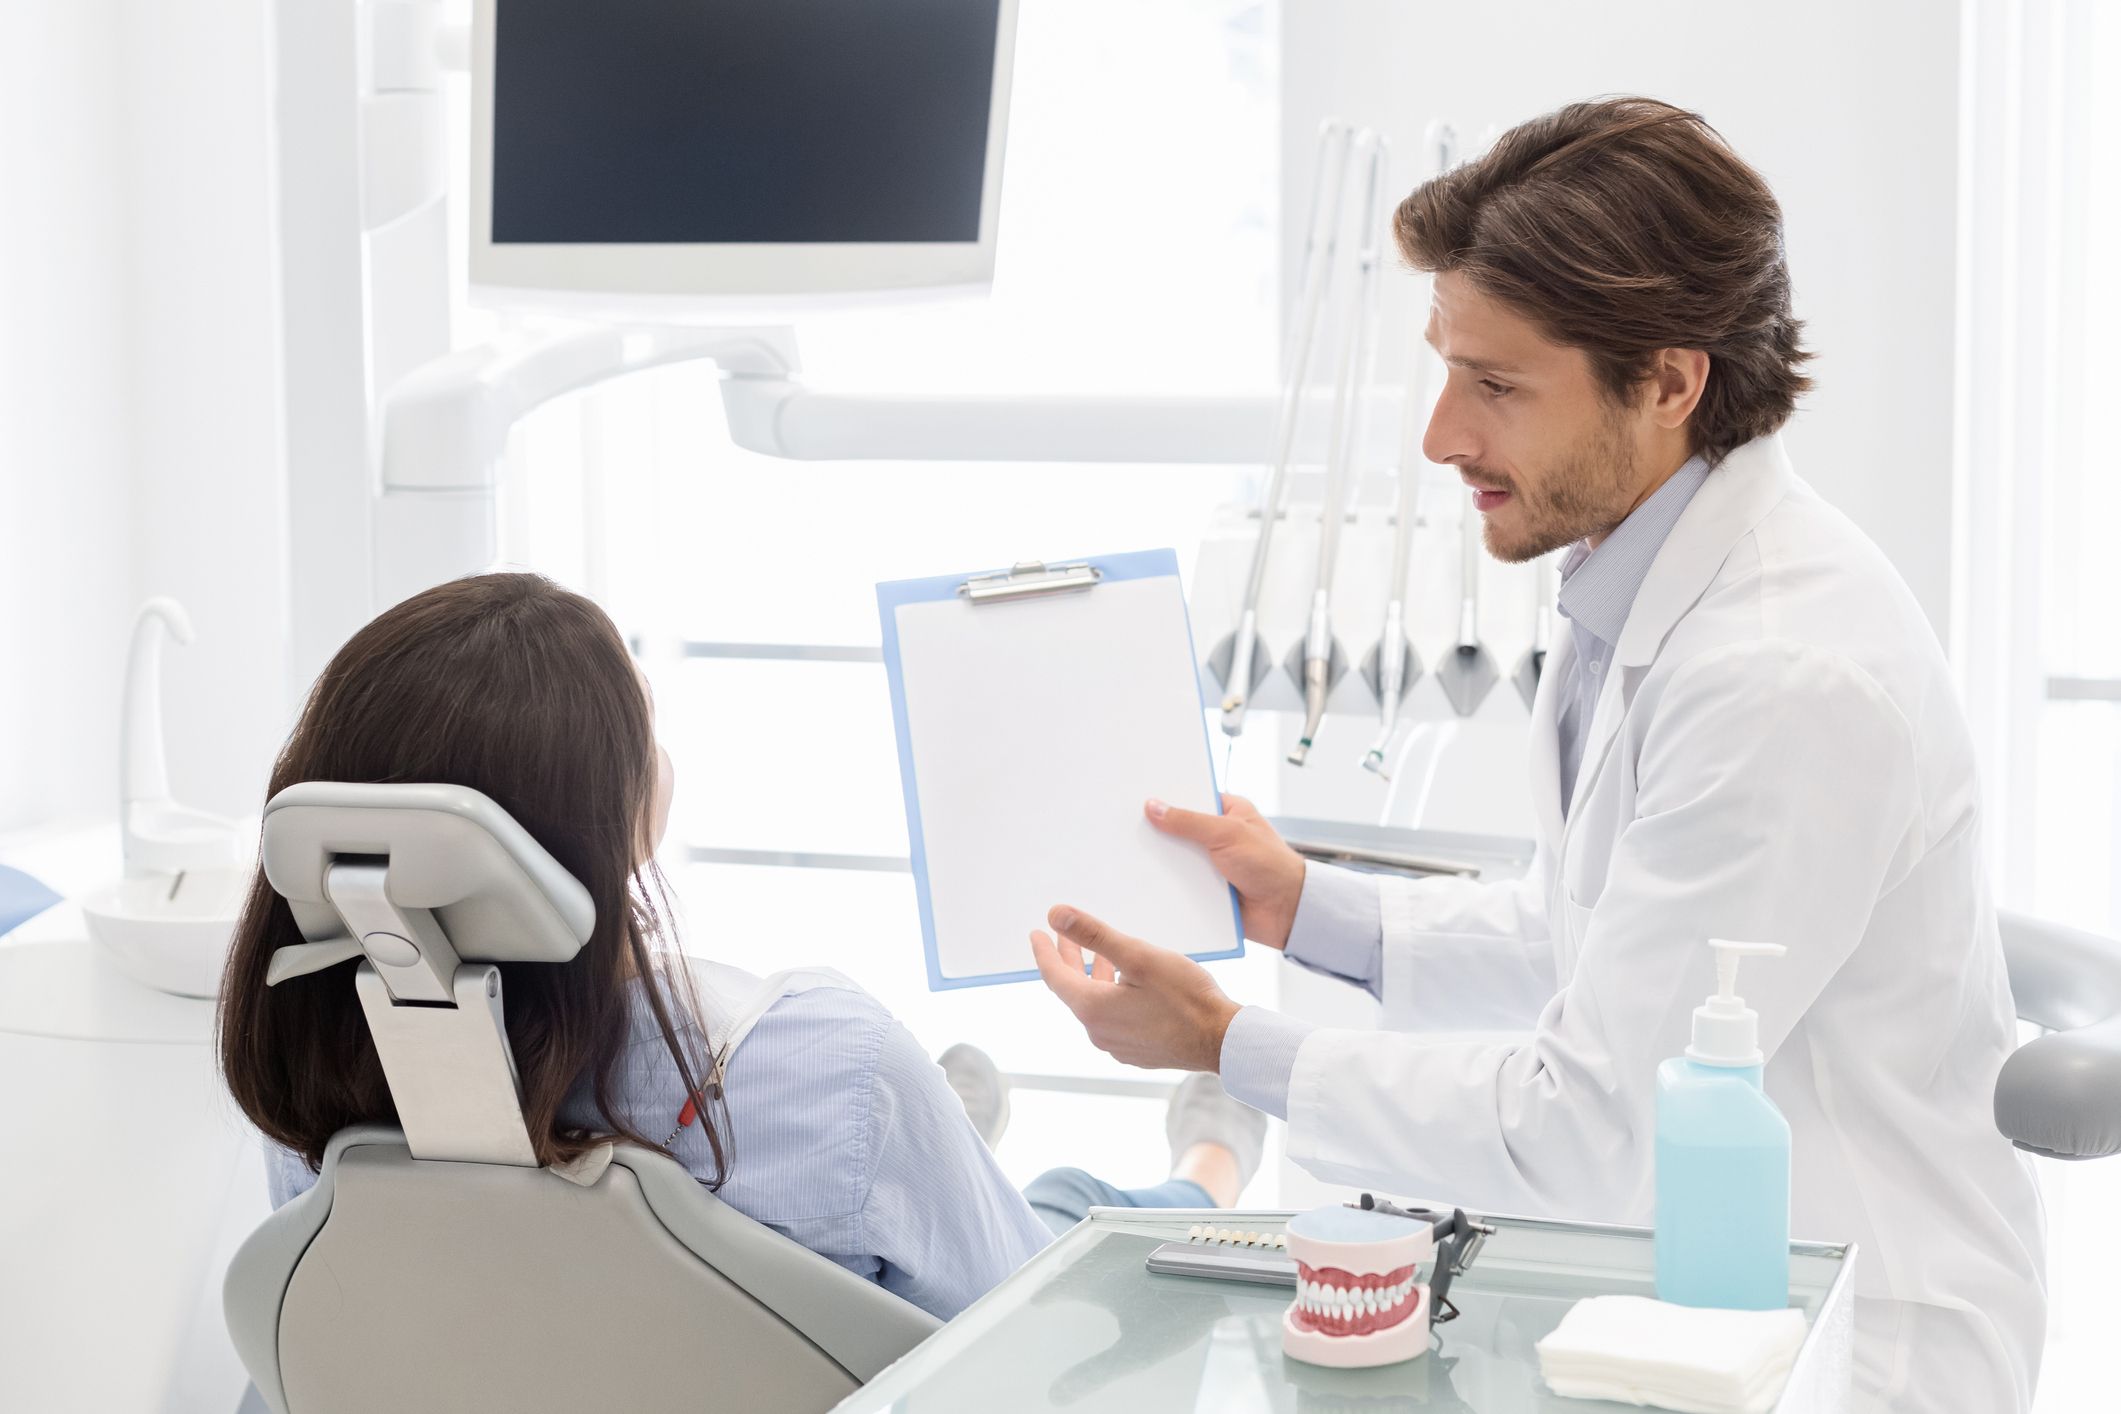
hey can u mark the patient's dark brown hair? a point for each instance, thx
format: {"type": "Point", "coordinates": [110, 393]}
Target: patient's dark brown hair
{"type": "Point", "coordinates": [517, 688]}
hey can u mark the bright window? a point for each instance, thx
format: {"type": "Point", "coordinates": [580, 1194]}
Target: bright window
{"type": "Point", "coordinates": [1137, 255]}
{"type": "Point", "coordinates": [2038, 639]}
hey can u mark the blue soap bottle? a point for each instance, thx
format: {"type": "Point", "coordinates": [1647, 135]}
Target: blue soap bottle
{"type": "Point", "coordinates": [1723, 1159]}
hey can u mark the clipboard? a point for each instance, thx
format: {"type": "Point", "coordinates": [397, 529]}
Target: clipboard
{"type": "Point", "coordinates": [1036, 709]}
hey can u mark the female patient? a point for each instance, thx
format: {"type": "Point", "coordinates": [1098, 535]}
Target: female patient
{"type": "Point", "coordinates": [829, 1123]}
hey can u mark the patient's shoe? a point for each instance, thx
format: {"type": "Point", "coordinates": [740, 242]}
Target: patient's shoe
{"type": "Point", "coordinates": [1202, 1112]}
{"type": "Point", "coordinates": [972, 1073]}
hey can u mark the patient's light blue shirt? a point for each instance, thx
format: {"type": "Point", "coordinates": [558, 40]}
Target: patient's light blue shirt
{"type": "Point", "coordinates": [840, 1133]}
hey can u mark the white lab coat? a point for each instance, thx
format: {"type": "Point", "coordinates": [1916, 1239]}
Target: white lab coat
{"type": "Point", "coordinates": [1778, 755]}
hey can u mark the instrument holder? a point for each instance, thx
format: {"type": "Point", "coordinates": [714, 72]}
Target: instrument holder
{"type": "Point", "coordinates": [1459, 1239]}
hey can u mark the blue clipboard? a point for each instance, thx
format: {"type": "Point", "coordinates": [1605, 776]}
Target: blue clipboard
{"type": "Point", "coordinates": [1087, 576]}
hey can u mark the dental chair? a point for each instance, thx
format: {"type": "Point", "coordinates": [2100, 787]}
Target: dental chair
{"type": "Point", "coordinates": [436, 1266]}
{"type": "Point", "coordinates": [2059, 1095]}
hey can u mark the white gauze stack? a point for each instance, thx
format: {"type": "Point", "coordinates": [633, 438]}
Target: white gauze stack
{"type": "Point", "coordinates": [1633, 1350]}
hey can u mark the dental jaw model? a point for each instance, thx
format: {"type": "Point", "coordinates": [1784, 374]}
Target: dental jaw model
{"type": "Point", "coordinates": [1359, 1297]}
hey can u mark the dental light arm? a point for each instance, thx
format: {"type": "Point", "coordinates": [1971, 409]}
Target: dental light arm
{"type": "Point", "coordinates": [446, 424]}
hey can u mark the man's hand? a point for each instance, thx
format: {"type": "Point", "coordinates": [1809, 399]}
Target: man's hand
{"type": "Point", "coordinates": [1267, 874]}
{"type": "Point", "coordinates": [1140, 1004]}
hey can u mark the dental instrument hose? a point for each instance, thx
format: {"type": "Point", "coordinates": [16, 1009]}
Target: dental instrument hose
{"type": "Point", "coordinates": [1353, 374]}
{"type": "Point", "coordinates": [1317, 266]}
{"type": "Point", "coordinates": [1392, 650]}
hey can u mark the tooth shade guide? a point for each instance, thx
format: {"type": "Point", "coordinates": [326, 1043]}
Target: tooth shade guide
{"type": "Point", "coordinates": [1210, 1235]}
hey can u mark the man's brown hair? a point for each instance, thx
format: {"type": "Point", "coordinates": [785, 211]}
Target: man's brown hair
{"type": "Point", "coordinates": [1623, 227]}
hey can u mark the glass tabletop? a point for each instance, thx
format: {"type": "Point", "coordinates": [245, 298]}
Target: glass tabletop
{"type": "Point", "coordinates": [1084, 1326]}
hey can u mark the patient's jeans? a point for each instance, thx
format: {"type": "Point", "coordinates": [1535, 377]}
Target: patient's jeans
{"type": "Point", "coordinates": [1064, 1197]}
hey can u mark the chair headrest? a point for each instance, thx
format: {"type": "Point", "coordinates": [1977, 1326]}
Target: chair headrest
{"type": "Point", "coordinates": [493, 889]}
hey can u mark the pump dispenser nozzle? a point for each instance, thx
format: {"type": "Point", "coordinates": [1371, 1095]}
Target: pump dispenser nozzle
{"type": "Point", "coordinates": [1726, 1031]}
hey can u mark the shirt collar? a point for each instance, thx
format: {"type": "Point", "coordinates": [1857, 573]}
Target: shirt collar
{"type": "Point", "coordinates": [1598, 587]}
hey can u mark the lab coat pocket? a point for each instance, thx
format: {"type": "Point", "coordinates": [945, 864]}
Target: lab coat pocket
{"type": "Point", "coordinates": [1581, 880]}
{"type": "Point", "coordinates": [1575, 930]}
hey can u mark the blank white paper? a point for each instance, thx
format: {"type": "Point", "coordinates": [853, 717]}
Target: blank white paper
{"type": "Point", "coordinates": [1037, 730]}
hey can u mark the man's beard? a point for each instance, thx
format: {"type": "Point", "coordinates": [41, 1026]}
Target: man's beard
{"type": "Point", "coordinates": [1586, 496]}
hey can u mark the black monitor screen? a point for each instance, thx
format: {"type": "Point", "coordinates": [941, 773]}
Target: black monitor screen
{"type": "Point", "coordinates": [699, 121]}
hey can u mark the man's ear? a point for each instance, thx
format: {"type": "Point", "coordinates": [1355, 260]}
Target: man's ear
{"type": "Point", "coordinates": [1677, 379]}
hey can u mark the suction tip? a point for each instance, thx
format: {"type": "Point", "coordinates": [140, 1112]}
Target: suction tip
{"type": "Point", "coordinates": [1375, 761]}
{"type": "Point", "coordinates": [170, 614]}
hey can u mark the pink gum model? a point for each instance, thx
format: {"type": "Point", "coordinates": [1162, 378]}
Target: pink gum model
{"type": "Point", "coordinates": [1359, 1299]}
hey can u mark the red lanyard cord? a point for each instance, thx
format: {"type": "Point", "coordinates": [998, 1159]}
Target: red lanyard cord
{"type": "Point", "coordinates": [691, 1112]}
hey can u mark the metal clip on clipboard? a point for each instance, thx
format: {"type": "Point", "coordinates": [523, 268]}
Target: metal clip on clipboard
{"type": "Point", "coordinates": [1020, 792]}
{"type": "Point", "coordinates": [1030, 579]}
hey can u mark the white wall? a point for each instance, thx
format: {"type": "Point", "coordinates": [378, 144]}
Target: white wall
{"type": "Point", "coordinates": [139, 446]}
{"type": "Point", "coordinates": [139, 392]}
{"type": "Point", "coordinates": [1850, 113]}
{"type": "Point", "coordinates": [64, 413]}
{"type": "Point", "coordinates": [208, 497]}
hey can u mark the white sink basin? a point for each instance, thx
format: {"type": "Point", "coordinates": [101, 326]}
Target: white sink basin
{"type": "Point", "coordinates": [171, 941]}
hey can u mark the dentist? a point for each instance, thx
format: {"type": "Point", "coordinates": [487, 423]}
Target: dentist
{"type": "Point", "coordinates": [1748, 731]}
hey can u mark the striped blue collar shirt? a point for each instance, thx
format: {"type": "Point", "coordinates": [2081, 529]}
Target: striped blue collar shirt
{"type": "Point", "coordinates": [1598, 589]}
{"type": "Point", "coordinates": [1338, 926]}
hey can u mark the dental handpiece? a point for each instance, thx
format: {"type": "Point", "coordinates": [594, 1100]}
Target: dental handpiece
{"type": "Point", "coordinates": [1393, 655]}
{"type": "Point", "coordinates": [1321, 238]}
{"type": "Point", "coordinates": [1349, 386]}
{"type": "Point", "coordinates": [1392, 646]}
{"type": "Point", "coordinates": [1318, 667]}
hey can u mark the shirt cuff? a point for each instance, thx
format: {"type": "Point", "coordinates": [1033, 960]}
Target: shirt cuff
{"type": "Point", "coordinates": [1259, 1058]}
{"type": "Point", "coordinates": [1339, 924]}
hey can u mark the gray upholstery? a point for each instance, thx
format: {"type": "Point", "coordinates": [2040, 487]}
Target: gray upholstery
{"type": "Point", "coordinates": [442, 1283]}
{"type": "Point", "coordinates": [496, 892]}
{"type": "Point", "coordinates": [2060, 1094]}
{"type": "Point", "coordinates": [413, 1285]}
{"type": "Point", "coordinates": [855, 1322]}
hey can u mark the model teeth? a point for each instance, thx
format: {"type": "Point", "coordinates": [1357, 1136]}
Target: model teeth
{"type": "Point", "coordinates": [1345, 1302]}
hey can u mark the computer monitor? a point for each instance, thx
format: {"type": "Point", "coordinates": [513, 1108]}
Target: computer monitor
{"type": "Point", "coordinates": [736, 151]}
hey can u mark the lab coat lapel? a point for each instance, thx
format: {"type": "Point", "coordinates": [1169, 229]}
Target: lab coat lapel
{"type": "Point", "coordinates": [1546, 739]}
{"type": "Point", "coordinates": [1737, 494]}
{"type": "Point", "coordinates": [1606, 718]}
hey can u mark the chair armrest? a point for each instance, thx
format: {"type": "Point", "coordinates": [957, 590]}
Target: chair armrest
{"type": "Point", "coordinates": [2060, 1096]}
{"type": "Point", "coordinates": [854, 1321]}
